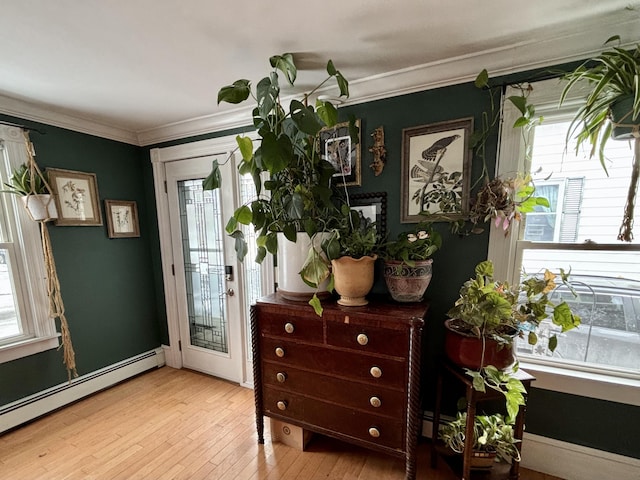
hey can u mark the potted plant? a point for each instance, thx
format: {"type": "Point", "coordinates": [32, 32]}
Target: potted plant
{"type": "Point", "coordinates": [493, 439]}
{"type": "Point", "coordinates": [296, 200]}
{"type": "Point", "coordinates": [408, 262]}
{"type": "Point", "coordinates": [351, 250]}
{"type": "Point", "coordinates": [487, 317]}
{"type": "Point", "coordinates": [34, 193]}
{"type": "Point", "coordinates": [612, 109]}
{"type": "Point", "coordinates": [503, 200]}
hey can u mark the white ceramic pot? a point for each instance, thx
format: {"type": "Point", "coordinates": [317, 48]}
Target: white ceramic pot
{"type": "Point", "coordinates": [40, 207]}
{"type": "Point", "coordinates": [291, 258]}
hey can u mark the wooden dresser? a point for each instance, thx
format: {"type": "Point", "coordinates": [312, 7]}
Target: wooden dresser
{"type": "Point", "coordinates": [352, 374]}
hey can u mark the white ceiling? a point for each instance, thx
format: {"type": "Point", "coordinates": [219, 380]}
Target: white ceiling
{"type": "Point", "coordinates": [144, 71]}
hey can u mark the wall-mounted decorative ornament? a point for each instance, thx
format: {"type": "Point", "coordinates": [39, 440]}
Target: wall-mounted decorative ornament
{"type": "Point", "coordinates": [379, 151]}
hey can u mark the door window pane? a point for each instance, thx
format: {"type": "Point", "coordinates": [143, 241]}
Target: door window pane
{"type": "Point", "coordinates": [202, 246]}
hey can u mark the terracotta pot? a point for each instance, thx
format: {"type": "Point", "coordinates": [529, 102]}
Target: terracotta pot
{"type": "Point", "coordinates": [405, 283]}
{"type": "Point", "coordinates": [622, 113]}
{"type": "Point", "coordinates": [40, 207]}
{"type": "Point", "coordinates": [353, 279]}
{"type": "Point", "coordinates": [465, 350]}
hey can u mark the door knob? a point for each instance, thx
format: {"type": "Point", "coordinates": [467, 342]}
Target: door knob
{"type": "Point", "coordinates": [230, 292]}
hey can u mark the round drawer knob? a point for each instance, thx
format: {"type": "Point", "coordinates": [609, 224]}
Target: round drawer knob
{"type": "Point", "coordinates": [282, 405]}
{"type": "Point", "coordinates": [281, 377]}
{"type": "Point", "coordinates": [279, 352]}
{"type": "Point", "coordinates": [288, 327]}
{"type": "Point", "coordinates": [362, 339]}
{"type": "Point", "coordinates": [375, 402]}
{"type": "Point", "coordinates": [374, 432]}
{"type": "Point", "coordinates": [375, 372]}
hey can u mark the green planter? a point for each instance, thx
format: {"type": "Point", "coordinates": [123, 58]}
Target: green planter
{"type": "Point", "coordinates": [622, 115]}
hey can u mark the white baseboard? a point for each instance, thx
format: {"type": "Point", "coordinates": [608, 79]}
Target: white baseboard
{"type": "Point", "coordinates": [41, 403]}
{"type": "Point", "coordinates": [568, 460]}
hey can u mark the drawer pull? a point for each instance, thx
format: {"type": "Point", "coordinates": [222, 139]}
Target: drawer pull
{"type": "Point", "coordinates": [288, 327]}
{"type": "Point", "coordinates": [362, 339]}
{"type": "Point", "coordinates": [375, 402]}
{"type": "Point", "coordinates": [279, 352]}
{"type": "Point", "coordinates": [375, 372]}
{"type": "Point", "coordinates": [374, 432]}
{"type": "Point", "coordinates": [281, 377]}
{"type": "Point", "coordinates": [282, 405]}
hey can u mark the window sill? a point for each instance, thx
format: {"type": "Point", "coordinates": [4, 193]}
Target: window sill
{"type": "Point", "coordinates": [585, 384]}
{"type": "Point", "coordinates": [27, 347]}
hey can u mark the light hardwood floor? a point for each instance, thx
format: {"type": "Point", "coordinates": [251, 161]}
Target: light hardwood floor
{"type": "Point", "coordinates": [178, 424]}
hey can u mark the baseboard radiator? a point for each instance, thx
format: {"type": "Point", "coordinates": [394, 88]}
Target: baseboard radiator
{"type": "Point", "coordinates": [565, 460]}
{"type": "Point", "coordinates": [31, 407]}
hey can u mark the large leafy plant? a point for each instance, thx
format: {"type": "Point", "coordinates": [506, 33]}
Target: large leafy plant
{"type": "Point", "coordinates": [293, 183]}
{"type": "Point", "coordinates": [23, 182]}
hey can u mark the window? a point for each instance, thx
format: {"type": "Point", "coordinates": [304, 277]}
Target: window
{"type": "Point", "coordinates": [577, 232]}
{"type": "Point", "coordinates": [25, 327]}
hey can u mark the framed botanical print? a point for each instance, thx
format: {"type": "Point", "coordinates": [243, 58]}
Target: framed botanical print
{"type": "Point", "coordinates": [122, 218]}
{"type": "Point", "coordinates": [76, 197]}
{"type": "Point", "coordinates": [436, 165]}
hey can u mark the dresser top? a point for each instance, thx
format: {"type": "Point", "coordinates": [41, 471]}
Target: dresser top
{"type": "Point", "coordinates": [377, 306]}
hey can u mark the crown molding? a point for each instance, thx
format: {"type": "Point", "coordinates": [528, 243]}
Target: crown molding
{"type": "Point", "coordinates": [49, 116]}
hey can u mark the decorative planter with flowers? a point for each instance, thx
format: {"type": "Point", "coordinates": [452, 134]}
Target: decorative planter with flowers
{"type": "Point", "coordinates": [407, 262]}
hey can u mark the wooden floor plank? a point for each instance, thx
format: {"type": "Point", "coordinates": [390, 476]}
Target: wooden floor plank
{"type": "Point", "coordinates": [183, 425]}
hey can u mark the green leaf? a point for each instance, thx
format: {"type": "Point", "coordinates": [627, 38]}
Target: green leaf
{"type": "Point", "coordinates": [245, 144]}
{"type": "Point", "coordinates": [315, 303]}
{"type": "Point", "coordinates": [238, 92]}
{"type": "Point", "coordinates": [243, 215]}
{"type": "Point", "coordinates": [521, 122]}
{"type": "Point", "coordinates": [214, 179]}
{"type": "Point", "coordinates": [232, 225]}
{"type": "Point", "coordinates": [271, 243]}
{"type": "Point", "coordinates": [305, 118]}
{"type": "Point", "coordinates": [553, 343]}
{"type": "Point", "coordinates": [532, 338]}
{"type": "Point", "coordinates": [520, 103]}
{"type": "Point", "coordinates": [482, 80]}
{"type": "Point", "coordinates": [289, 232]}
{"type": "Point", "coordinates": [286, 65]}
{"type": "Point", "coordinates": [327, 112]}
{"type": "Point", "coordinates": [260, 254]}
{"type": "Point", "coordinates": [331, 69]}
{"type": "Point", "coordinates": [276, 152]}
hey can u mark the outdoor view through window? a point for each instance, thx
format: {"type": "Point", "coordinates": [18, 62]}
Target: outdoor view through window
{"type": "Point", "coordinates": [585, 212]}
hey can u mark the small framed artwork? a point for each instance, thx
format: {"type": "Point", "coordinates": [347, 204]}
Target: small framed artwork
{"type": "Point", "coordinates": [373, 207]}
{"type": "Point", "coordinates": [122, 218]}
{"type": "Point", "coordinates": [337, 148]}
{"type": "Point", "coordinates": [436, 165]}
{"type": "Point", "coordinates": [76, 197]}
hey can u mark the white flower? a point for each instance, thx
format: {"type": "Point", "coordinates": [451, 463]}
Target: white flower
{"type": "Point", "coordinates": [422, 235]}
{"type": "Point", "coordinates": [411, 237]}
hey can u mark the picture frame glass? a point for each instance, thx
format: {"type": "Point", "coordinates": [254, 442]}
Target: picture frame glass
{"type": "Point", "coordinates": [76, 197]}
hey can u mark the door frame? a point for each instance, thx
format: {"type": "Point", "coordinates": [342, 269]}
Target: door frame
{"type": "Point", "coordinates": [159, 157]}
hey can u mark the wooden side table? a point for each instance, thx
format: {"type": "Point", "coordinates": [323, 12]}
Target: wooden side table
{"type": "Point", "coordinates": [449, 370]}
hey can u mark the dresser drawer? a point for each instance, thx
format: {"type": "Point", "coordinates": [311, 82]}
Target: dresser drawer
{"type": "Point", "coordinates": [336, 418]}
{"type": "Point", "coordinates": [373, 399]}
{"type": "Point", "coordinates": [308, 329]}
{"type": "Point", "coordinates": [368, 339]}
{"type": "Point", "coordinates": [363, 367]}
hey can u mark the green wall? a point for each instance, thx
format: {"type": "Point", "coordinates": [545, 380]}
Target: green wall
{"type": "Point", "coordinates": [574, 419]}
{"type": "Point", "coordinates": [107, 284]}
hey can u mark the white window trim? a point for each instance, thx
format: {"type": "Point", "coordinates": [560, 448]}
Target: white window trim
{"type": "Point", "coordinates": [585, 381]}
{"type": "Point", "coordinates": [41, 334]}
